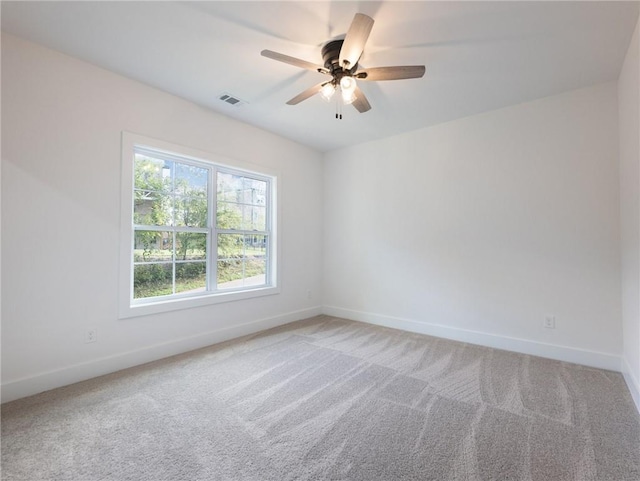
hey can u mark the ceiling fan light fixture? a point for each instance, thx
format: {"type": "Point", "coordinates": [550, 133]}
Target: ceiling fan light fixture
{"type": "Point", "coordinates": [347, 84]}
{"type": "Point", "coordinates": [348, 89]}
{"type": "Point", "coordinates": [327, 91]}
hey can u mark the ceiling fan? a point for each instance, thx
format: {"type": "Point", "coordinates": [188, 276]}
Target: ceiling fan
{"type": "Point", "coordinates": [341, 63]}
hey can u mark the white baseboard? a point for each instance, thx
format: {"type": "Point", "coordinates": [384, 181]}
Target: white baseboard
{"type": "Point", "coordinates": [80, 372]}
{"type": "Point", "coordinates": [551, 351]}
{"type": "Point", "coordinates": [632, 382]}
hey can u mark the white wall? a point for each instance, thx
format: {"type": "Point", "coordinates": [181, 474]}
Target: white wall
{"type": "Point", "coordinates": [629, 127]}
{"type": "Point", "coordinates": [479, 228]}
{"type": "Point", "coordinates": [61, 125]}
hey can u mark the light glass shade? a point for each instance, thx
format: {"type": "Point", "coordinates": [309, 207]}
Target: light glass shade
{"type": "Point", "coordinates": [327, 91]}
{"type": "Point", "coordinates": [348, 89]}
{"type": "Point", "coordinates": [348, 84]}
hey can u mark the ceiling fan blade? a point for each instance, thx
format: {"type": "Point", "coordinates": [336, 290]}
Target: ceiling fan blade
{"type": "Point", "coordinates": [391, 73]}
{"type": "Point", "coordinates": [296, 62]}
{"type": "Point", "coordinates": [310, 92]}
{"type": "Point", "coordinates": [361, 103]}
{"type": "Point", "coordinates": [355, 39]}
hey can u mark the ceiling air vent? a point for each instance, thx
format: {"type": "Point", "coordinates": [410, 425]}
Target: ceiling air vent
{"type": "Point", "coordinates": [231, 100]}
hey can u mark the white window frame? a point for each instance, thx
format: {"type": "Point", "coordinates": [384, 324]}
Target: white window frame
{"type": "Point", "coordinates": [129, 307]}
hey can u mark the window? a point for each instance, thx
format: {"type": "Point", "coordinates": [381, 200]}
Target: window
{"type": "Point", "coordinates": [196, 230]}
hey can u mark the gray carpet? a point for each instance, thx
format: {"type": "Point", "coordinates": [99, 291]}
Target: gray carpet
{"type": "Point", "coordinates": [329, 399]}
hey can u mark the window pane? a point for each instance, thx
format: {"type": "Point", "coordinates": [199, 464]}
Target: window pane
{"type": "Point", "coordinates": [152, 280]}
{"type": "Point", "coordinates": [152, 174]}
{"type": "Point", "coordinates": [229, 187]}
{"type": "Point", "coordinates": [153, 246]}
{"type": "Point", "coordinates": [229, 216]}
{"type": "Point", "coordinates": [255, 272]}
{"type": "Point", "coordinates": [190, 180]}
{"type": "Point", "coordinates": [230, 273]}
{"type": "Point", "coordinates": [191, 277]}
{"type": "Point", "coordinates": [255, 246]}
{"type": "Point", "coordinates": [241, 260]}
{"type": "Point", "coordinates": [230, 246]}
{"type": "Point", "coordinates": [191, 246]}
{"type": "Point", "coordinates": [254, 218]}
{"type": "Point", "coordinates": [255, 267]}
{"type": "Point", "coordinates": [254, 191]}
{"type": "Point", "coordinates": [152, 208]}
{"type": "Point", "coordinates": [191, 211]}
{"type": "Point", "coordinates": [241, 273]}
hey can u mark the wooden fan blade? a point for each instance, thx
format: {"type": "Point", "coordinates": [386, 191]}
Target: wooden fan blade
{"type": "Point", "coordinates": [355, 40]}
{"type": "Point", "coordinates": [296, 62]}
{"type": "Point", "coordinates": [391, 73]}
{"type": "Point", "coordinates": [310, 92]}
{"type": "Point", "coordinates": [361, 103]}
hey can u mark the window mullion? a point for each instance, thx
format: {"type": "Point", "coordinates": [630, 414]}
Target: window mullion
{"type": "Point", "coordinates": [244, 258]}
{"type": "Point", "coordinates": [173, 263]}
{"type": "Point", "coordinates": [200, 230]}
{"type": "Point", "coordinates": [267, 274]}
{"type": "Point", "coordinates": [243, 232]}
{"type": "Point", "coordinates": [212, 254]}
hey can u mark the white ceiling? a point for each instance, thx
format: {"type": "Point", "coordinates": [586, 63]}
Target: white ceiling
{"type": "Point", "coordinates": [479, 56]}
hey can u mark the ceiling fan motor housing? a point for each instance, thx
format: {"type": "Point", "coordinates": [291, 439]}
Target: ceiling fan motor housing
{"type": "Point", "coordinates": [331, 57]}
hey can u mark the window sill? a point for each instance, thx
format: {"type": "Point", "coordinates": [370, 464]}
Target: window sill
{"type": "Point", "coordinates": [144, 309]}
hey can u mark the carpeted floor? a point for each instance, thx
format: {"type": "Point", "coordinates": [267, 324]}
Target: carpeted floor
{"type": "Point", "coordinates": [329, 399]}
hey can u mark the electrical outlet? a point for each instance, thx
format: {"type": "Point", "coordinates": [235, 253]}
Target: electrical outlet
{"type": "Point", "coordinates": [91, 335]}
{"type": "Point", "coordinates": [549, 322]}
{"type": "Point", "coordinates": [309, 294]}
